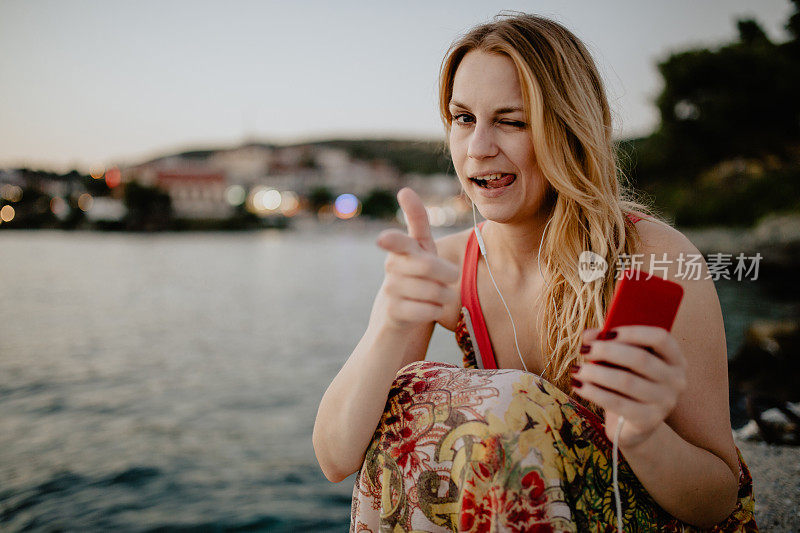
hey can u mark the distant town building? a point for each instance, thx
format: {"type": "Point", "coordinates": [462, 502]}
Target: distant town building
{"type": "Point", "coordinates": [197, 180]}
{"type": "Point", "coordinates": [195, 193]}
{"type": "Point", "coordinates": [106, 210]}
{"type": "Point", "coordinates": [244, 165]}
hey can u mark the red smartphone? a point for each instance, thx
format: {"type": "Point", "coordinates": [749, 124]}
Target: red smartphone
{"type": "Point", "coordinates": [641, 301]}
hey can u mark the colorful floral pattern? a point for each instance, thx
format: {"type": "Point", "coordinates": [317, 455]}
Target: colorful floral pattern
{"type": "Point", "coordinates": [500, 450]}
{"type": "Point", "coordinates": [464, 341]}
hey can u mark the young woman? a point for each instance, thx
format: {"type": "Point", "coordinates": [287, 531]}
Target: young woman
{"type": "Point", "coordinates": [520, 439]}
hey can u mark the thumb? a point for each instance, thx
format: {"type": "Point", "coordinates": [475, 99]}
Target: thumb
{"type": "Point", "coordinates": [418, 226]}
{"type": "Point", "coordinates": [396, 241]}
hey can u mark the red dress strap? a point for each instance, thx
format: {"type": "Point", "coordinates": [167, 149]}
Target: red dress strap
{"type": "Point", "coordinates": [634, 218]}
{"type": "Point", "coordinates": [469, 299]}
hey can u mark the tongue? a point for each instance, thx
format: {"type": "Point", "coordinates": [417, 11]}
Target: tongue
{"type": "Point", "coordinates": [507, 179]}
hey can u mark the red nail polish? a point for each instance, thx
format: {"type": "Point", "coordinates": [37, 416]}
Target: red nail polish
{"type": "Point", "coordinates": [611, 334]}
{"type": "Point", "coordinates": [585, 348]}
{"type": "Point", "coordinates": [576, 383]}
{"type": "Point", "coordinates": [574, 368]}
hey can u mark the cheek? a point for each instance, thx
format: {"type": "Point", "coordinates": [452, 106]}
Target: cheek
{"type": "Point", "coordinates": [458, 149]}
{"type": "Point", "coordinates": [525, 156]}
{"type": "Point", "coordinates": [454, 141]}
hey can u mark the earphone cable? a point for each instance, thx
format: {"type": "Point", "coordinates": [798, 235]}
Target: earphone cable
{"type": "Point", "coordinates": [614, 472]}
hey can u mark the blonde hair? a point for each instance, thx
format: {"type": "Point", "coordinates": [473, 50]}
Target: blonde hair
{"type": "Point", "coordinates": [571, 129]}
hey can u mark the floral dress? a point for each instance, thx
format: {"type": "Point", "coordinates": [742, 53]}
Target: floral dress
{"type": "Point", "coordinates": [469, 449]}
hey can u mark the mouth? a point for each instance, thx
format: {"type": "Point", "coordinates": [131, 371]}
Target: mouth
{"type": "Point", "coordinates": [494, 181]}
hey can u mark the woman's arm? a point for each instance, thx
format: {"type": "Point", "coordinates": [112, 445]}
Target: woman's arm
{"type": "Point", "coordinates": [416, 291]}
{"type": "Point", "coordinates": [689, 482]}
{"type": "Point", "coordinates": [677, 435]}
{"type": "Point", "coordinates": [353, 403]}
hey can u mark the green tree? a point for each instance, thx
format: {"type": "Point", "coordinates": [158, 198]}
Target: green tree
{"type": "Point", "coordinates": [738, 100]}
{"type": "Point", "coordinates": [379, 203]}
{"type": "Point", "coordinates": [727, 149]}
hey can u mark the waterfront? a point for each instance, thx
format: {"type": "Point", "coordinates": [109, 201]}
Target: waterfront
{"type": "Point", "coordinates": [171, 380]}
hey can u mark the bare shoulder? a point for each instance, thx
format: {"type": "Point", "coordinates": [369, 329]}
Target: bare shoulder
{"type": "Point", "coordinates": [660, 236]}
{"type": "Point", "coordinates": [668, 253]}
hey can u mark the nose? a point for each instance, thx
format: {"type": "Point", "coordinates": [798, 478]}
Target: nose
{"type": "Point", "coordinates": [482, 143]}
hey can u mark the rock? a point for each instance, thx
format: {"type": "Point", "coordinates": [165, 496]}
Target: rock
{"type": "Point", "coordinates": [776, 237]}
{"type": "Point", "coordinates": [765, 371]}
{"type": "Point", "coordinates": [778, 422]}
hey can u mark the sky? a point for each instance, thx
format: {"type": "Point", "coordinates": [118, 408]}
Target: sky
{"type": "Point", "coordinates": [98, 82]}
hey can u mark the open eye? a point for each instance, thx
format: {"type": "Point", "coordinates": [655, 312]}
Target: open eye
{"type": "Point", "coordinates": [463, 118]}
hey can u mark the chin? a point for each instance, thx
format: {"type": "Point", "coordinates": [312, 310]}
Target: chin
{"type": "Point", "coordinates": [506, 214]}
{"type": "Point", "coordinates": [498, 214]}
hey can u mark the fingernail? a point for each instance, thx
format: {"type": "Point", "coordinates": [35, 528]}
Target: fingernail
{"type": "Point", "coordinates": [573, 369]}
{"type": "Point", "coordinates": [585, 348]}
{"type": "Point", "coordinates": [611, 334]}
{"type": "Point", "coordinates": [576, 383]}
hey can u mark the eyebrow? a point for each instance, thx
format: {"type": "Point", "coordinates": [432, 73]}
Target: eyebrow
{"type": "Point", "coordinates": [498, 111]}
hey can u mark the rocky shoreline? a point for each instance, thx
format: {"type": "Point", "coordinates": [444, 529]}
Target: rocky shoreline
{"type": "Point", "coordinates": [776, 484]}
{"type": "Point", "coordinates": [775, 468]}
{"type": "Point", "coordinates": [776, 237]}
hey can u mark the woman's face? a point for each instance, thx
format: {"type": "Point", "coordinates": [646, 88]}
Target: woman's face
{"type": "Point", "coordinates": [490, 138]}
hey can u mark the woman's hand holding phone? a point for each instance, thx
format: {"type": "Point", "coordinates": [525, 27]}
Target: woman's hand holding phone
{"type": "Point", "coordinates": [634, 367]}
{"type": "Point", "coordinates": [418, 283]}
{"type": "Point", "coordinates": [638, 374]}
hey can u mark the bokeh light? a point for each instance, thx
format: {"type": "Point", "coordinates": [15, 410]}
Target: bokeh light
{"type": "Point", "coordinates": [271, 200]}
{"type": "Point", "coordinates": [325, 214]}
{"type": "Point", "coordinates": [441, 216]}
{"type": "Point", "coordinates": [435, 216]}
{"type": "Point", "coordinates": [97, 171]}
{"type": "Point", "coordinates": [262, 201]}
{"type": "Point", "coordinates": [290, 203]}
{"type": "Point", "coordinates": [254, 204]}
{"type": "Point", "coordinates": [85, 202]}
{"type": "Point", "coordinates": [113, 177]}
{"type": "Point", "coordinates": [59, 207]}
{"type": "Point", "coordinates": [235, 195]}
{"type": "Point", "coordinates": [346, 206]}
{"type": "Point", "coordinates": [7, 213]}
{"type": "Point", "coordinates": [12, 193]}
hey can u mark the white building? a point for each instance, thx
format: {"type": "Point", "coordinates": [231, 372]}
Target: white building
{"type": "Point", "coordinates": [195, 193]}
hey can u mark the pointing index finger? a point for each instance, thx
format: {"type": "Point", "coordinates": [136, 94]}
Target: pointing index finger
{"type": "Point", "coordinates": [418, 226]}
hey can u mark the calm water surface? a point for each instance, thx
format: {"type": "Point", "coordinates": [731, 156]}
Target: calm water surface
{"type": "Point", "coordinates": [170, 382]}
